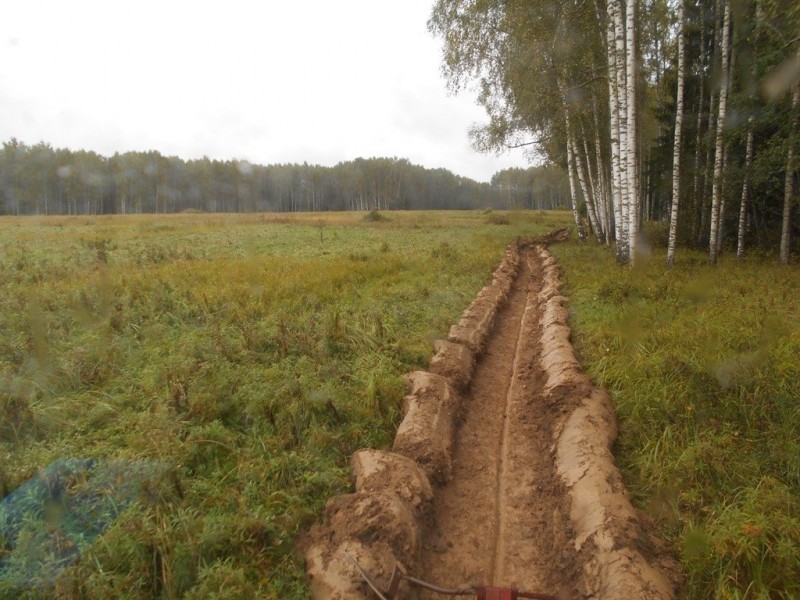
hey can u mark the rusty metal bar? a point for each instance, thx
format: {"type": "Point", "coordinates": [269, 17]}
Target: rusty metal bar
{"type": "Point", "coordinates": [399, 575]}
{"type": "Point", "coordinates": [366, 577]}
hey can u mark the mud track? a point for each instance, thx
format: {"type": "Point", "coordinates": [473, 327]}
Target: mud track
{"type": "Point", "coordinates": [502, 518]}
{"type": "Point", "coordinates": [501, 472]}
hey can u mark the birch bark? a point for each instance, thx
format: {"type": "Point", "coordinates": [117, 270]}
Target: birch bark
{"type": "Point", "coordinates": [788, 193]}
{"type": "Point", "coordinates": [748, 163]}
{"type": "Point", "coordinates": [573, 191]}
{"type": "Point", "coordinates": [748, 160]}
{"type": "Point", "coordinates": [676, 151]}
{"type": "Point", "coordinates": [633, 163]}
{"type": "Point", "coordinates": [623, 239]}
{"type": "Point", "coordinates": [719, 149]}
{"type": "Point", "coordinates": [603, 183]}
{"type": "Point", "coordinates": [588, 195]}
{"type": "Point", "coordinates": [614, 130]}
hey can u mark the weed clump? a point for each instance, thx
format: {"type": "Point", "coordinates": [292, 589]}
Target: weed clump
{"type": "Point", "coordinates": [496, 219]}
{"type": "Point", "coordinates": [444, 251]}
{"type": "Point", "coordinates": [101, 247]}
{"type": "Point", "coordinates": [375, 216]}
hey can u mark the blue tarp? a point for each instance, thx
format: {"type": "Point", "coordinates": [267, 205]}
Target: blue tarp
{"type": "Point", "coordinates": [50, 520]}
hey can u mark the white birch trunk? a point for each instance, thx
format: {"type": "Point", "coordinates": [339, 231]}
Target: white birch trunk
{"type": "Point", "coordinates": [721, 230]}
{"type": "Point", "coordinates": [701, 75]}
{"type": "Point", "coordinates": [725, 153]}
{"type": "Point", "coordinates": [748, 164]}
{"type": "Point", "coordinates": [748, 160]}
{"type": "Point", "coordinates": [588, 198]}
{"type": "Point", "coordinates": [723, 103]}
{"type": "Point", "coordinates": [623, 248]}
{"type": "Point", "coordinates": [633, 163]}
{"type": "Point", "coordinates": [614, 133]}
{"type": "Point", "coordinates": [676, 150]}
{"type": "Point", "coordinates": [573, 188]}
{"type": "Point", "coordinates": [597, 193]}
{"type": "Point", "coordinates": [708, 167]}
{"type": "Point", "coordinates": [788, 193]}
{"type": "Point", "coordinates": [602, 183]}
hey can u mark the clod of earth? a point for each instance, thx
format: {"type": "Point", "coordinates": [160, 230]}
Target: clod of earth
{"type": "Point", "coordinates": [501, 472]}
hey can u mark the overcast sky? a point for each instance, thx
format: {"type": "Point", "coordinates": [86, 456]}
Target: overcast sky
{"type": "Point", "coordinates": [269, 81]}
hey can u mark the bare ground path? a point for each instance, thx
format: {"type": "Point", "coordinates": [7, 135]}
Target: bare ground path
{"type": "Point", "coordinates": [502, 518]}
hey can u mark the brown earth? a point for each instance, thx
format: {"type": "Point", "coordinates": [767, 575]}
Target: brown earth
{"type": "Point", "coordinates": [501, 472]}
{"type": "Point", "coordinates": [502, 519]}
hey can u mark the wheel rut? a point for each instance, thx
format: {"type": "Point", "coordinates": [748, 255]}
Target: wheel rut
{"type": "Point", "coordinates": [500, 520]}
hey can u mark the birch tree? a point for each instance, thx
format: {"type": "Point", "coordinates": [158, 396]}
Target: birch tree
{"type": "Point", "coordinates": [614, 124]}
{"type": "Point", "coordinates": [676, 153]}
{"type": "Point", "coordinates": [621, 88]}
{"type": "Point", "coordinates": [632, 130]}
{"type": "Point", "coordinates": [586, 189]}
{"type": "Point", "coordinates": [748, 165]}
{"type": "Point", "coordinates": [788, 193]}
{"type": "Point", "coordinates": [597, 206]}
{"type": "Point", "coordinates": [573, 191]}
{"type": "Point", "coordinates": [713, 248]}
{"type": "Point", "coordinates": [532, 62]}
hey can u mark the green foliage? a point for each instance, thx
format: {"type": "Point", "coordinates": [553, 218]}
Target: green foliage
{"type": "Point", "coordinates": [238, 351]}
{"type": "Point", "coordinates": [702, 365]}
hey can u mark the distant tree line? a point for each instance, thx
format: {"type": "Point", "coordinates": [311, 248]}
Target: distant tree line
{"type": "Point", "coordinates": [41, 180]}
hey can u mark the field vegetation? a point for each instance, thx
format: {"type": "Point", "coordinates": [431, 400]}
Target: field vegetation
{"type": "Point", "coordinates": [702, 365]}
{"type": "Point", "coordinates": [246, 356]}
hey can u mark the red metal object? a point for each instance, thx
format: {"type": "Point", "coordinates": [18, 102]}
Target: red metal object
{"type": "Point", "coordinates": [480, 592]}
{"type": "Point", "coordinates": [493, 593]}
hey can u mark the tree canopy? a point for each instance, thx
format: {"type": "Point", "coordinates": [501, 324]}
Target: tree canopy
{"type": "Point", "coordinates": [592, 86]}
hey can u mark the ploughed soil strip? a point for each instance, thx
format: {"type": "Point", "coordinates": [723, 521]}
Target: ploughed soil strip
{"type": "Point", "coordinates": [510, 483]}
{"type": "Point", "coordinates": [503, 519]}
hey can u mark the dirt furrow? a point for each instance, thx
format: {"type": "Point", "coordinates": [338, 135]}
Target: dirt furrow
{"type": "Point", "coordinates": [461, 550]}
{"type": "Point", "coordinates": [498, 521]}
{"type": "Point", "coordinates": [501, 472]}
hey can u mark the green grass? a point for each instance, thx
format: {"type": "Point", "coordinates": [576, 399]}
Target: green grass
{"type": "Point", "coordinates": [704, 369]}
{"type": "Point", "coordinates": [248, 355]}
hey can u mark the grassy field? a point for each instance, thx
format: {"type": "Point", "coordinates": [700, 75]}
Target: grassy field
{"type": "Point", "coordinates": [225, 367]}
{"type": "Point", "coordinates": [704, 367]}
{"type": "Point", "coordinates": [233, 363]}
